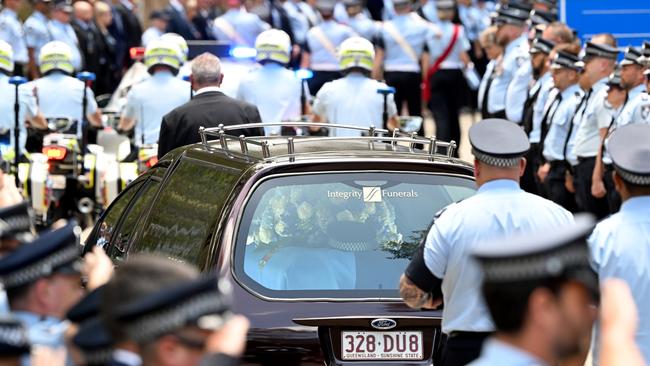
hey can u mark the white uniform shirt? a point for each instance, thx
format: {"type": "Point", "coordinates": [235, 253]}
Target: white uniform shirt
{"type": "Point", "coordinates": [496, 352]}
{"type": "Point", "coordinates": [353, 100]}
{"type": "Point", "coordinates": [323, 59]}
{"type": "Point", "coordinates": [414, 31]}
{"type": "Point", "coordinates": [546, 84]}
{"type": "Point", "coordinates": [27, 105]}
{"type": "Point", "coordinates": [276, 93]}
{"type": "Point", "coordinates": [439, 39]}
{"type": "Point", "coordinates": [498, 209]}
{"type": "Point", "coordinates": [248, 26]}
{"type": "Point", "coordinates": [152, 99]}
{"type": "Point", "coordinates": [558, 130]}
{"type": "Point", "coordinates": [620, 248]}
{"type": "Point", "coordinates": [37, 33]}
{"type": "Point", "coordinates": [65, 33]}
{"type": "Point", "coordinates": [363, 26]}
{"type": "Point", "coordinates": [152, 33]}
{"type": "Point", "coordinates": [634, 98]}
{"type": "Point", "coordinates": [641, 113]}
{"type": "Point", "coordinates": [61, 96]}
{"type": "Point", "coordinates": [11, 31]}
{"type": "Point", "coordinates": [515, 56]}
{"type": "Point", "coordinates": [518, 91]}
{"type": "Point", "coordinates": [587, 141]}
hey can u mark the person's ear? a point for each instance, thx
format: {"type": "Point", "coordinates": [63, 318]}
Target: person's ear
{"type": "Point", "coordinates": [477, 168]}
{"type": "Point", "coordinates": [166, 349]}
{"type": "Point", "coordinates": [522, 166]}
{"type": "Point", "coordinates": [220, 78]}
{"type": "Point", "coordinates": [541, 308]}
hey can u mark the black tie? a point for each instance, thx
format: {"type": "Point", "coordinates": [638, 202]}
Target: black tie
{"type": "Point", "coordinates": [486, 94]}
{"type": "Point", "coordinates": [548, 118]}
{"type": "Point", "coordinates": [583, 105]}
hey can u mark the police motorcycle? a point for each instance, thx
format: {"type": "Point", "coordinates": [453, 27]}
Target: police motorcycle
{"type": "Point", "coordinates": [71, 176]}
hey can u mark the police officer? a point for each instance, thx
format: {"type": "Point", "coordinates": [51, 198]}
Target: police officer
{"type": "Point", "coordinates": [59, 94]}
{"type": "Point", "coordinates": [557, 128]}
{"type": "Point", "coordinates": [275, 90]}
{"type": "Point", "coordinates": [61, 30]}
{"type": "Point", "coordinates": [148, 101]}
{"type": "Point", "coordinates": [641, 113]}
{"type": "Point", "coordinates": [445, 86]}
{"type": "Point", "coordinates": [359, 21]}
{"type": "Point", "coordinates": [28, 110]}
{"type": "Point", "coordinates": [511, 23]}
{"type": "Point", "coordinates": [633, 81]}
{"type": "Point", "coordinates": [599, 59]}
{"type": "Point", "coordinates": [353, 99]}
{"type": "Point", "coordinates": [618, 244]}
{"type": "Point", "coordinates": [37, 33]}
{"type": "Point", "coordinates": [540, 50]}
{"type": "Point", "coordinates": [238, 26]}
{"type": "Point", "coordinates": [320, 49]}
{"type": "Point", "coordinates": [540, 290]}
{"type": "Point", "coordinates": [43, 282]}
{"type": "Point", "coordinates": [494, 52]}
{"type": "Point", "coordinates": [11, 31]}
{"type": "Point", "coordinates": [401, 44]}
{"type": "Point", "coordinates": [499, 208]}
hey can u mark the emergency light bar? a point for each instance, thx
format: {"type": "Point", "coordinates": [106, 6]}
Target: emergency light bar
{"type": "Point", "coordinates": [136, 53]}
{"type": "Point", "coordinates": [243, 52]}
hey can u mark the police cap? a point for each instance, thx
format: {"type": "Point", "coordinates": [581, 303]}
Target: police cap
{"type": "Point", "coordinates": [614, 78]}
{"type": "Point", "coordinates": [13, 338]}
{"type": "Point", "coordinates": [350, 3]}
{"type": "Point", "coordinates": [16, 222]}
{"type": "Point", "coordinates": [542, 17]}
{"type": "Point", "coordinates": [325, 5]}
{"type": "Point", "coordinates": [631, 56]}
{"type": "Point", "coordinates": [630, 152]}
{"type": "Point", "coordinates": [541, 45]}
{"type": "Point", "coordinates": [445, 4]}
{"type": "Point", "coordinates": [645, 55]}
{"type": "Point", "coordinates": [203, 302]}
{"type": "Point", "coordinates": [565, 60]}
{"type": "Point", "coordinates": [54, 252]}
{"type": "Point", "coordinates": [498, 142]}
{"type": "Point", "coordinates": [560, 253]}
{"type": "Point", "coordinates": [63, 5]}
{"type": "Point", "coordinates": [515, 13]}
{"type": "Point", "coordinates": [94, 341]}
{"type": "Point", "coordinates": [598, 50]}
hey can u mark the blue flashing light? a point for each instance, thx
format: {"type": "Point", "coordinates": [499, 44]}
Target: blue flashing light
{"type": "Point", "coordinates": [304, 74]}
{"type": "Point", "coordinates": [86, 76]}
{"type": "Point", "coordinates": [243, 52]}
{"type": "Point", "coordinates": [388, 90]}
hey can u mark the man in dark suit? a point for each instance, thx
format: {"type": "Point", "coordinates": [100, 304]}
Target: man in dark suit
{"type": "Point", "coordinates": [209, 108]}
{"type": "Point", "coordinates": [126, 29]}
{"type": "Point", "coordinates": [178, 21]}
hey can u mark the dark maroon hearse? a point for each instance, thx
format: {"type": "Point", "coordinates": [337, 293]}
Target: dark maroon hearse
{"type": "Point", "coordinates": [313, 233]}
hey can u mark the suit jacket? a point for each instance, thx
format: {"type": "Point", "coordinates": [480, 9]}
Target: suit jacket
{"type": "Point", "coordinates": [180, 127]}
{"type": "Point", "coordinates": [179, 24]}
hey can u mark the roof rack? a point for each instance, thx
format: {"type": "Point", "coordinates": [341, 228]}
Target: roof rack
{"type": "Point", "coordinates": [371, 135]}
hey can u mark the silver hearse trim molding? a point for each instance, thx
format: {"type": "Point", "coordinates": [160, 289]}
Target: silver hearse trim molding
{"type": "Point", "coordinates": [374, 135]}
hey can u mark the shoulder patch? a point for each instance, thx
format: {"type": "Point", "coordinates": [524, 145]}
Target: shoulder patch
{"type": "Point", "coordinates": [520, 60]}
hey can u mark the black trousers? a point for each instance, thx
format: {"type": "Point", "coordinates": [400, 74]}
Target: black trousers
{"type": "Point", "coordinates": [613, 198]}
{"type": "Point", "coordinates": [446, 93]}
{"type": "Point", "coordinates": [555, 186]}
{"type": "Point", "coordinates": [462, 348]}
{"type": "Point", "coordinates": [407, 89]}
{"type": "Point", "coordinates": [320, 78]}
{"type": "Point", "coordinates": [582, 174]}
{"type": "Point", "coordinates": [529, 181]}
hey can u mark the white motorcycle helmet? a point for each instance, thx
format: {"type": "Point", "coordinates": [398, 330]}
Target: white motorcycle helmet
{"type": "Point", "coordinates": [162, 52]}
{"type": "Point", "coordinates": [273, 45]}
{"type": "Point", "coordinates": [356, 52]}
{"type": "Point", "coordinates": [55, 55]}
{"type": "Point", "coordinates": [6, 58]}
{"type": "Point", "coordinates": [180, 42]}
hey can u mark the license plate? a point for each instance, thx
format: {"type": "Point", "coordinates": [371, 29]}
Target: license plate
{"type": "Point", "coordinates": [381, 346]}
{"type": "Point", "coordinates": [57, 181]}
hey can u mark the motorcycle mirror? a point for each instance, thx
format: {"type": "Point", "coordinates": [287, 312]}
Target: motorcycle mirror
{"type": "Point", "coordinates": [17, 80]}
{"type": "Point", "coordinates": [304, 74]}
{"type": "Point", "coordinates": [386, 91]}
{"type": "Point", "coordinates": [86, 76]}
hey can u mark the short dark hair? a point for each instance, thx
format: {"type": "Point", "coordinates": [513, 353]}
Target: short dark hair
{"type": "Point", "coordinates": [139, 276]}
{"type": "Point", "coordinates": [508, 302]}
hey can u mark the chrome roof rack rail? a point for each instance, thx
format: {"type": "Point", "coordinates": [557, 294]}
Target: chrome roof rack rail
{"type": "Point", "coordinates": [372, 135]}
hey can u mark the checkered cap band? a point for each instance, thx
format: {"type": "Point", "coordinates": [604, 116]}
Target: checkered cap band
{"type": "Point", "coordinates": [15, 224]}
{"type": "Point", "coordinates": [496, 161]}
{"type": "Point", "coordinates": [170, 319]}
{"type": "Point", "coordinates": [42, 268]}
{"type": "Point", "coordinates": [638, 179]}
{"type": "Point", "coordinates": [533, 267]}
{"type": "Point", "coordinates": [13, 336]}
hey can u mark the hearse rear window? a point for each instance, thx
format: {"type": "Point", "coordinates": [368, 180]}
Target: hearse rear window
{"type": "Point", "coordinates": [338, 234]}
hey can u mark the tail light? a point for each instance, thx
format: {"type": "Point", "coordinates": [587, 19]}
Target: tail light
{"type": "Point", "coordinates": [151, 161]}
{"type": "Point", "coordinates": [136, 53]}
{"type": "Point", "coordinates": [55, 152]}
